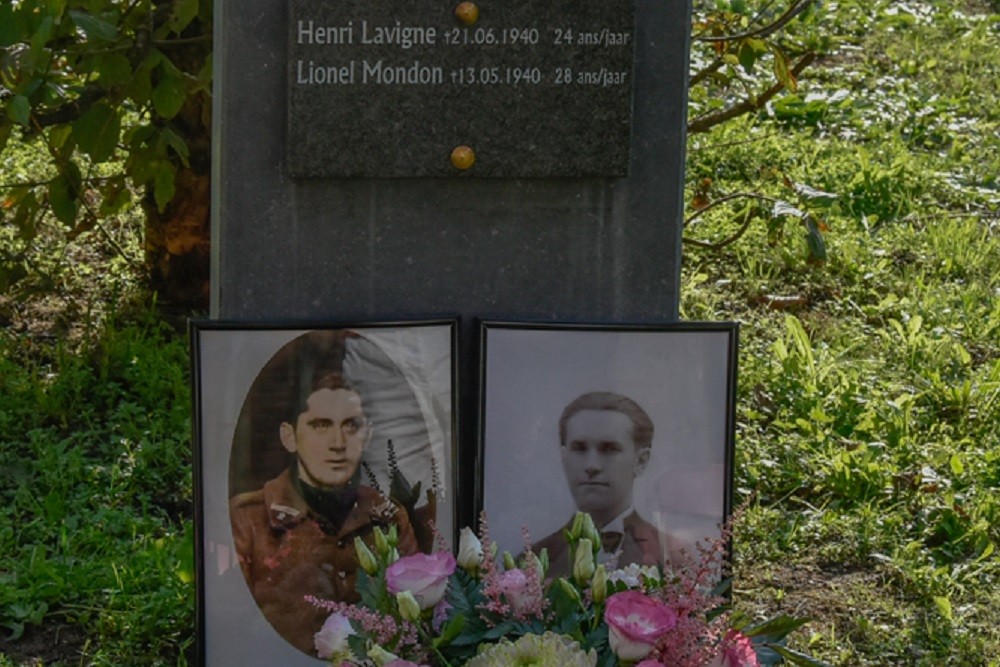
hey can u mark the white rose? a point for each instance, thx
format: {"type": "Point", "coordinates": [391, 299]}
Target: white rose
{"type": "Point", "coordinates": [331, 640]}
{"type": "Point", "coordinates": [470, 551]}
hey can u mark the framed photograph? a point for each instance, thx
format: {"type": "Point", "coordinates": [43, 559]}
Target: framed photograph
{"type": "Point", "coordinates": [631, 424]}
{"type": "Point", "coordinates": [307, 438]}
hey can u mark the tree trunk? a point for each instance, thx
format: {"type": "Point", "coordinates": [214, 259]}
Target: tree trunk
{"type": "Point", "coordinates": [177, 243]}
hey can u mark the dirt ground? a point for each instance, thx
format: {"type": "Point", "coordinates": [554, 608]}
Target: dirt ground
{"type": "Point", "coordinates": [50, 644]}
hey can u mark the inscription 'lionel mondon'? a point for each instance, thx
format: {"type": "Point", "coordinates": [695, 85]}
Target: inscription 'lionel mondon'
{"type": "Point", "coordinates": [404, 36]}
{"type": "Point", "coordinates": [365, 72]}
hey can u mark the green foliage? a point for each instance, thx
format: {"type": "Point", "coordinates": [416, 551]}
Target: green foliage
{"type": "Point", "coordinates": [733, 43]}
{"type": "Point", "coordinates": [95, 479]}
{"type": "Point", "coordinates": [868, 448]}
{"type": "Point", "coordinates": [105, 93]}
{"type": "Point", "coordinates": [869, 431]}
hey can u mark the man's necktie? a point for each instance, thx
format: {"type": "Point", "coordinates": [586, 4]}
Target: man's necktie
{"type": "Point", "coordinates": [610, 541]}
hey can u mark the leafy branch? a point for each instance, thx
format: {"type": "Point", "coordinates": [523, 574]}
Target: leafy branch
{"type": "Point", "coordinates": [810, 202]}
{"type": "Point", "coordinates": [763, 31]}
{"type": "Point", "coordinates": [102, 82]}
{"type": "Point", "coordinates": [707, 121]}
{"type": "Point", "coordinates": [748, 217]}
{"type": "Point", "coordinates": [738, 44]}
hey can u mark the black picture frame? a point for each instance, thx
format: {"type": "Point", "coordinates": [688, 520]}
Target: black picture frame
{"type": "Point", "coordinates": [681, 375]}
{"type": "Point", "coordinates": [246, 376]}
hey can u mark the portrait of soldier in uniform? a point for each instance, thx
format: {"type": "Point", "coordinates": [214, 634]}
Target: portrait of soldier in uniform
{"type": "Point", "coordinates": [303, 489]}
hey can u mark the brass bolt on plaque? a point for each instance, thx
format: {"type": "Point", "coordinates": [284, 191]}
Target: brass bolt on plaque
{"type": "Point", "coordinates": [463, 157]}
{"type": "Point", "coordinates": [467, 13]}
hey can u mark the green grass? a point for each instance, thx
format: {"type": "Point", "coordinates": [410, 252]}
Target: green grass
{"type": "Point", "coordinates": [868, 448]}
{"type": "Point", "coordinates": [869, 422]}
{"type": "Point", "coordinates": [95, 491]}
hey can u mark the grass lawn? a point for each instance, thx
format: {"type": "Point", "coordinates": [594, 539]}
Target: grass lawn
{"type": "Point", "coordinates": [868, 443]}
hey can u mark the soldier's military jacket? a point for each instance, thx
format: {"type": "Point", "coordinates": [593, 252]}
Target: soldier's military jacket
{"type": "Point", "coordinates": [287, 552]}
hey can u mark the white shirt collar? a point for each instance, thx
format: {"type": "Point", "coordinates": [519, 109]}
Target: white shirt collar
{"type": "Point", "coordinates": [617, 525]}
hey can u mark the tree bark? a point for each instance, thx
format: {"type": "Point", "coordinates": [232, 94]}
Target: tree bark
{"type": "Point", "coordinates": [177, 243]}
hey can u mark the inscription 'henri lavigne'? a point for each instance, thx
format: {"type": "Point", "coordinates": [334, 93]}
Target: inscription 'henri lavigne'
{"type": "Point", "coordinates": [365, 71]}
{"type": "Point", "coordinates": [405, 36]}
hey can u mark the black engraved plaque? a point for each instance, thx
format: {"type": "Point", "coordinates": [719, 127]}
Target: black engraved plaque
{"type": "Point", "coordinates": [388, 88]}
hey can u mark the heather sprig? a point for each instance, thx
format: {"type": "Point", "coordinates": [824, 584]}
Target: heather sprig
{"type": "Point", "coordinates": [380, 627]}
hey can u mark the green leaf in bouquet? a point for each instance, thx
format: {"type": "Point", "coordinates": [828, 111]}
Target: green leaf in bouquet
{"type": "Point", "coordinates": [472, 634]}
{"type": "Point", "coordinates": [570, 625]}
{"type": "Point", "coordinates": [501, 630]}
{"type": "Point", "coordinates": [616, 587]}
{"type": "Point", "coordinates": [450, 631]}
{"type": "Point", "coordinates": [597, 639]}
{"type": "Point", "coordinates": [563, 598]}
{"type": "Point", "coordinates": [401, 491]}
{"type": "Point", "coordinates": [607, 659]}
{"type": "Point", "coordinates": [464, 593]}
{"type": "Point", "coordinates": [533, 627]}
{"type": "Point", "coordinates": [459, 654]}
{"type": "Point", "coordinates": [358, 644]}
{"type": "Point", "coordinates": [724, 588]}
{"type": "Point", "coordinates": [713, 614]}
{"type": "Point", "coordinates": [372, 591]}
{"type": "Point", "coordinates": [465, 596]}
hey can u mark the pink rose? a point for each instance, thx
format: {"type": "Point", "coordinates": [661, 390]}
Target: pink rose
{"type": "Point", "coordinates": [649, 662]}
{"type": "Point", "coordinates": [635, 623]}
{"type": "Point", "coordinates": [516, 588]}
{"type": "Point", "coordinates": [423, 575]}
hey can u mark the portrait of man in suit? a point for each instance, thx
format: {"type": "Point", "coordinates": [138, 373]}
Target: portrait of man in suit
{"type": "Point", "coordinates": [605, 442]}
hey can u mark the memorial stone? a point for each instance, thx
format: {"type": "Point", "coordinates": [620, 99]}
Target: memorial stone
{"type": "Point", "coordinates": [487, 188]}
{"type": "Point", "coordinates": [534, 89]}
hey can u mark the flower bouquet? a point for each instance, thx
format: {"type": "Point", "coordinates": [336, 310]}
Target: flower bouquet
{"type": "Point", "coordinates": [481, 610]}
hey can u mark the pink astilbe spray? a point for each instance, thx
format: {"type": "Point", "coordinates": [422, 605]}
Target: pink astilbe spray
{"type": "Point", "coordinates": [535, 605]}
{"type": "Point", "coordinates": [382, 628]}
{"type": "Point", "coordinates": [495, 604]}
{"type": "Point", "coordinates": [737, 650]}
{"type": "Point", "coordinates": [695, 641]}
{"type": "Point", "coordinates": [515, 593]}
{"type": "Point", "coordinates": [439, 541]}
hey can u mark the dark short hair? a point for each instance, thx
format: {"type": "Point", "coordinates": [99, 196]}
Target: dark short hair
{"type": "Point", "coordinates": [642, 425]}
{"type": "Point", "coordinates": [331, 380]}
